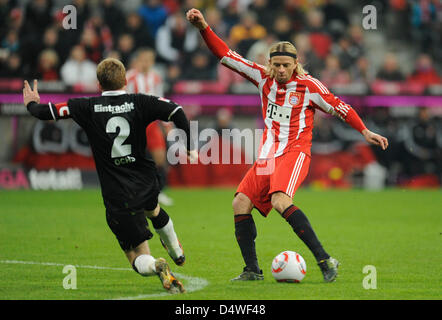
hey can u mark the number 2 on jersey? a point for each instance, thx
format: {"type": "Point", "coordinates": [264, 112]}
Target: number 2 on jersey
{"type": "Point", "coordinates": [118, 148]}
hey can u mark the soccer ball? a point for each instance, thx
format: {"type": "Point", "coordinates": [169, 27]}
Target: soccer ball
{"type": "Point", "coordinates": [289, 266]}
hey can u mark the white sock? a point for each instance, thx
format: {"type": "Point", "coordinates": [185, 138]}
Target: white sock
{"type": "Point", "coordinates": [168, 235]}
{"type": "Point", "coordinates": [145, 265]}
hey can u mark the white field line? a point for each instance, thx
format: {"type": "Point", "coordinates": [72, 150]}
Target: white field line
{"type": "Point", "coordinates": [193, 283]}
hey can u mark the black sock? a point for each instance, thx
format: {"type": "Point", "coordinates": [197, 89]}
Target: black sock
{"type": "Point", "coordinates": [245, 232]}
{"type": "Point", "coordinates": [300, 224]}
{"type": "Point", "coordinates": [160, 220]}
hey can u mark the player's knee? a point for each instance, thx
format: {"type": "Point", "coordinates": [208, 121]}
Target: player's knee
{"type": "Point", "coordinates": [241, 204]}
{"type": "Point", "coordinates": [281, 201]}
{"type": "Point", "coordinates": [152, 213]}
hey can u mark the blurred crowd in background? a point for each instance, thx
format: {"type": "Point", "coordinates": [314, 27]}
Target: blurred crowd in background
{"type": "Point", "coordinates": [402, 55]}
{"type": "Point", "coordinates": [330, 44]}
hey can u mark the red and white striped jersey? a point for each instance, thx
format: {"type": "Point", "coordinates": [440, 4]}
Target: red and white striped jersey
{"type": "Point", "coordinates": [150, 83]}
{"type": "Point", "coordinates": [287, 108]}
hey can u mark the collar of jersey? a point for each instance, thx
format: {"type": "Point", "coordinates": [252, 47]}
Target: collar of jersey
{"type": "Point", "coordinates": [113, 93]}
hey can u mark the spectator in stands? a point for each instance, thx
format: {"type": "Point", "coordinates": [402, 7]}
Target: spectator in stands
{"type": "Point", "coordinates": [92, 45]}
{"type": "Point", "coordinates": [380, 119]}
{"type": "Point", "coordinates": [67, 38]}
{"type": "Point", "coordinates": [173, 75]}
{"type": "Point", "coordinates": [259, 51]}
{"type": "Point", "coordinates": [199, 67]}
{"type": "Point", "coordinates": [424, 17]}
{"type": "Point", "coordinates": [335, 18]}
{"type": "Point", "coordinates": [138, 29]}
{"type": "Point", "coordinates": [306, 55]}
{"type": "Point", "coordinates": [83, 13]}
{"type": "Point", "coordinates": [345, 53]}
{"type": "Point", "coordinates": [296, 11]}
{"type": "Point", "coordinates": [265, 10]}
{"type": "Point", "coordinates": [319, 37]}
{"type": "Point", "coordinates": [112, 54]}
{"type": "Point", "coordinates": [154, 14]}
{"type": "Point", "coordinates": [78, 70]}
{"type": "Point", "coordinates": [11, 42]}
{"type": "Point", "coordinates": [47, 68]}
{"type": "Point", "coordinates": [51, 40]}
{"type": "Point", "coordinates": [112, 14]}
{"type": "Point", "coordinates": [390, 69]}
{"type": "Point", "coordinates": [38, 17]}
{"type": "Point", "coordinates": [97, 37]}
{"type": "Point", "coordinates": [356, 38]}
{"type": "Point", "coordinates": [231, 15]}
{"type": "Point", "coordinates": [423, 146]}
{"type": "Point", "coordinates": [12, 67]}
{"type": "Point", "coordinates": [362, 72]}
{"type": "Point", "coordinates": [6, 10]}
{"type": "Point", "coordinates": [223, 121]}
{"type": "Point", "coordinates": [246, 32]}
{"type": "Point", "coordinates": [31, 50]}
{"type": "Point", "coordinates": [126, 47]}
{"type": "Point", "coordinates": [332, 74]}
{"type": "Point", "coordinates": [424, 72]}
{"type": "Point", "coordinates": [176, 39]}
{"type": "Point", "coordinates": [215, 19]}
{"type": "Point", "coordinates": [282, 27]}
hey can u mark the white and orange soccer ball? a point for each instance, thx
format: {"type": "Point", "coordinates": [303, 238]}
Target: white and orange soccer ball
{"type": "Point", "coordinates": [289, 266]}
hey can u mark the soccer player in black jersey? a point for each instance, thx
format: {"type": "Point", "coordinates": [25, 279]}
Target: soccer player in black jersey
{"type": "Point", "coordinates": [115, 124]}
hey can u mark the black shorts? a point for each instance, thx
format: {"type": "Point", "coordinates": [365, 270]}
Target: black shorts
{"type": "Point", "coordinates": [130, 229]}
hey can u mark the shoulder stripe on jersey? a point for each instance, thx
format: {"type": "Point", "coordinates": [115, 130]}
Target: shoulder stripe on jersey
{"type": "Point", "coordinates": [52, 111]}
{"type": "Point", "coordinates": [321, 87]}
{"type": "Point", "coordinates": [317, 83]}
{"type": "Point", "coordinates": [173, 112]}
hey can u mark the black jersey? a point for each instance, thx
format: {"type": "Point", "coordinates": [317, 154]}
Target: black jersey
{"type": "Point", "coordinates": [115, 124]}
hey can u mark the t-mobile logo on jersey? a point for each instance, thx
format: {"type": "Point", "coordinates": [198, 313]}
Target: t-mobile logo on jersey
{"type": "Point", "coordinates": [278, 113]}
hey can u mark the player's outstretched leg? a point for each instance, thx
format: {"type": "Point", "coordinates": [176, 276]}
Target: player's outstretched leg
{"type": "Point", "coordinates": [146, 265]}
{"type": "Point", "coordinates": [168, 279]}
{"type": "Point", "coordinates": [163, 225]}
{"type": "Point", "coordinates": [301, 226]}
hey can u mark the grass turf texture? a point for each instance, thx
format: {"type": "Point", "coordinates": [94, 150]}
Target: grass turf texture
{"type": "Point", "coordinates": [397, 231]}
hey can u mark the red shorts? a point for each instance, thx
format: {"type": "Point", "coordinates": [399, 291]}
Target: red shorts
{"type": "Point", "coordinates": [155, 137]}
{"type": "Point", "coordinates": [284, 173]}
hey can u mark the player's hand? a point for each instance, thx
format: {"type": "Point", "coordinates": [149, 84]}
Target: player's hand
{"type": "Point", "coordinates": [30, 94]}
{"type": "Point", "coordinates": [196, 18]}
{"type": "Point", "coordinates": [376, 139]}
{"type": "Point", "coordinates": [193, 156]}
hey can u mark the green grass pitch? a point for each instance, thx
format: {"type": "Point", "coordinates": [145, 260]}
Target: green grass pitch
{"type": "Point", "coordinates": [399, 232]}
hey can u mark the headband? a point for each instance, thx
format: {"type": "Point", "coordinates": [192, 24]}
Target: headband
{"type": "Point", "coordinates": [279, 53]}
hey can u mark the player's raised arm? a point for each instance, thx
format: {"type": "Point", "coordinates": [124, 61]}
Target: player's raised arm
{"type": "Point", "coordinates": [248, 69]}
{"type": "Point", "coordinates": [31, 99]}
{"type": "Point", "coordinates": [328, 102]}
{"type": "Point", "coordinates": [43, 111]}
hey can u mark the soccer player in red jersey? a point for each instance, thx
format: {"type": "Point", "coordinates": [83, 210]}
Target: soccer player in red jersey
{"type": "Point", "coordinates": [289, 97]}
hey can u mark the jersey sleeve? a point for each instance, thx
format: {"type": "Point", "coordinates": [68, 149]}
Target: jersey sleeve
{"type": "Point", "coordinates": [326, 101]}
{"type": "Point", "coordinates": [156, 108]}
{"type": "Point", "coordinates": [250, 70]}
{"type": "Point", "coordinates": [74, 108]}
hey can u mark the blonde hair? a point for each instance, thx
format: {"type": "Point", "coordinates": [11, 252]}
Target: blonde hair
{"type": "Point", "coordinates": [285, 46]}
{"type": "Point", "coordinates": [111, 74]}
